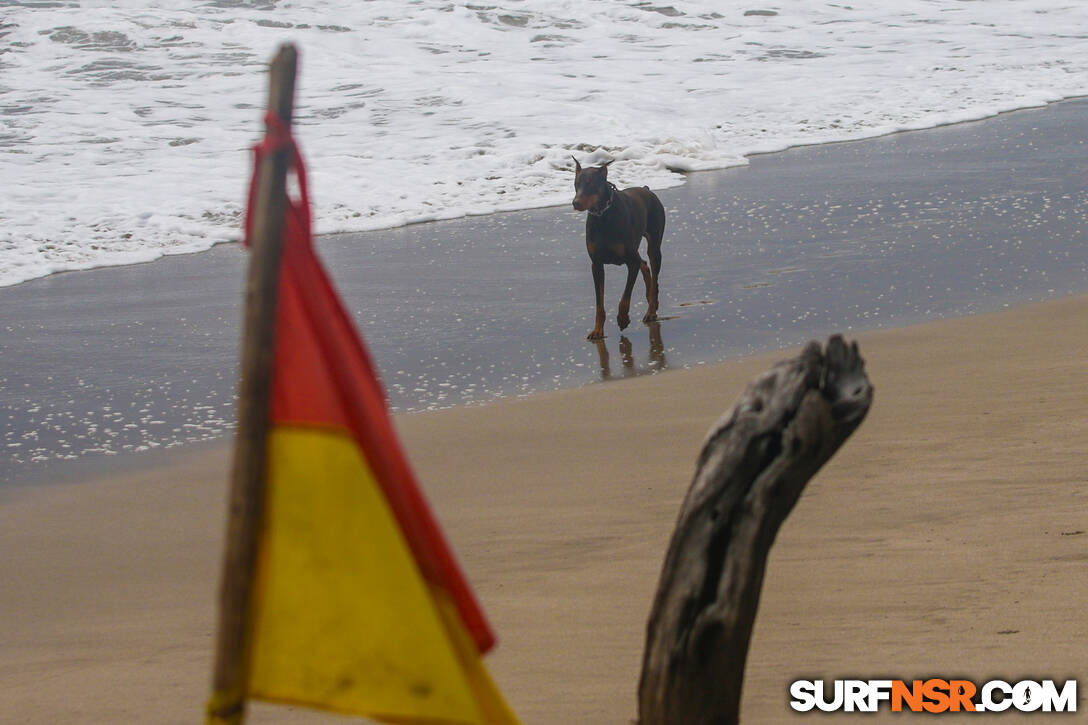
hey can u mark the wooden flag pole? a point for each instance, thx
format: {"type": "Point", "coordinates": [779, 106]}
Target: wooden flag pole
{"type": "Point", "coordinates": [250, 449]}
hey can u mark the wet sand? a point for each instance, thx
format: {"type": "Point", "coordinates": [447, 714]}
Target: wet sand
{"type": "Point", "coordinates": [851, 236]}
{"type": "Point", "coordinates": [947, 538]}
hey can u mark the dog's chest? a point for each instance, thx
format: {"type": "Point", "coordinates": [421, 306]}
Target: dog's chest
{"type": "Point", "coordinates": [606, 252]}
{"type": "Point", "coordinates": [609, 239]}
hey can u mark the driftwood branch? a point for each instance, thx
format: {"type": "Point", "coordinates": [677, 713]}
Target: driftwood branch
{"type": "Point", "coordinates": [752, 469]}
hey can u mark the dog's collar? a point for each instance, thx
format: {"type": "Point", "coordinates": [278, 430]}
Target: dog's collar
{"type": "Point", "coordinates": [611, 198]}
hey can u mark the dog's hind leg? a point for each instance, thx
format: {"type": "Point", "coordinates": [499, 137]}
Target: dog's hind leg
{"type": "Point", "coordinates": [650, 275]}
{"type": "Point", "coordinates": [655, 232]}
{"type": "Point", "coordinates": [651, 293]}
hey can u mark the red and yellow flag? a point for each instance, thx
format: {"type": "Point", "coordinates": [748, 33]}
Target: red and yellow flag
{"type": "Point", "coordinates": [359, 605]}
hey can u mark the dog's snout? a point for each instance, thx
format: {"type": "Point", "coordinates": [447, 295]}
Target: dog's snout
{"type": "Point", "coordinates": [578, 205]}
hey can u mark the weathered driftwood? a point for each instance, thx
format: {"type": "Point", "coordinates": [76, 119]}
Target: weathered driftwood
{"type": "Point", "coordinates": [752, 469]}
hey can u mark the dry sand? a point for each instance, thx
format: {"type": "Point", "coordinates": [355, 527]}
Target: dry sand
{"type": "Point", "coordinates": [947, 538]}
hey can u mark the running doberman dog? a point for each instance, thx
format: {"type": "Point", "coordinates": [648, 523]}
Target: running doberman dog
{"type": "Point", "coordinates": [615, 226]}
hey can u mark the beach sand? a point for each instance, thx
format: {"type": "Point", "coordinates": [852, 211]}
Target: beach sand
{"type": "Point", "coordinates": [949, 537]}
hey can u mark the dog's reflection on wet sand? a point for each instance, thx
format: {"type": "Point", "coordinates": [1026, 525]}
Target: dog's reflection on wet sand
{"type": "Point", "coordinates": [655, 359]}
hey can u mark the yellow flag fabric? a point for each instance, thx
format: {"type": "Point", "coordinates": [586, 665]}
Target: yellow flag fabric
{"type": "Point", "coordinates": [345, 621]}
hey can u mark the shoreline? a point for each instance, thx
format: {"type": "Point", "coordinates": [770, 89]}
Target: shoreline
{"type": "Point", "coordinates": [944, 539]}
{"type": "Point", "coordinates": [911, 226]}
{"type": "Point", "coordinates": [684, 175]}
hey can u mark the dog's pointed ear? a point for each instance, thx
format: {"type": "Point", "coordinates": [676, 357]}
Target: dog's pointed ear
{"type": "Point", "coordinates": [577, 167]}
{"type": "Point", "coordinates": [604, 168]}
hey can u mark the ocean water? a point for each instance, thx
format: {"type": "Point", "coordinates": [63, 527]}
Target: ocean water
{"type": "Point", "coordinates": [125, 126]}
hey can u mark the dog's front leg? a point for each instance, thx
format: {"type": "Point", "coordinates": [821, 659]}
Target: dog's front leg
{"type": "Point", "coordinates": [598, 289]}
{"type": "Point", "coordinates": [623, 318]}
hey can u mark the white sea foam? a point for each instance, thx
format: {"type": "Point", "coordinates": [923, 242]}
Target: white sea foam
{"type": "Point", "coordinates": [124, 126]}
